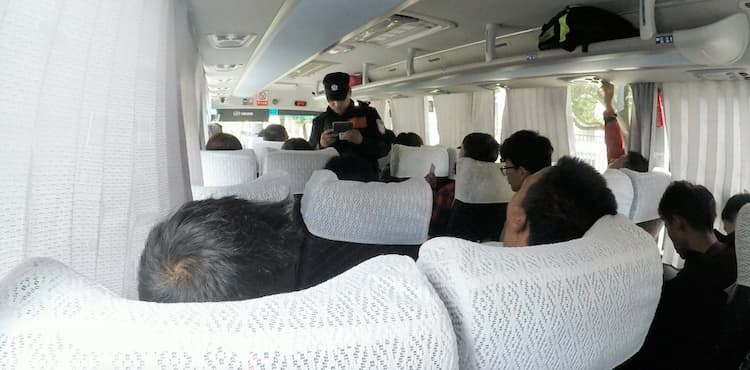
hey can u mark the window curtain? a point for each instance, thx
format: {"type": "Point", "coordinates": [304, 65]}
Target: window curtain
{"type": "Point", "coordinates": [379, 105]}
{"type": "Point", "coordinates": [93, 147]}
{"type": "Point", "coordinates": [642, 121]}
{"type": "Point", "coordinates": [408, 115]}
{"type": "Point", "coordinates": [462, 114]}
{"type": "Point", "coordinates": [707, 126]}
{"type": "Point", "coordinates": [544, 110]}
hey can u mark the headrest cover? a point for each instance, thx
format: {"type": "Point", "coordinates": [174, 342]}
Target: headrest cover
{"type": "Point", "coordinates": [262, 148]}
{"type": "Point", "coordinates": [228, 167]}
{"type": "Point", "coordinates": [367, 213]}
{"type": "Point", "coordinates": [481, 182]}
{"type": "Point", "coordinates": [299, 164]}
{"type": "Point", "coordinates": [742, 245]}
{"type": "Point", "coordinates": [648, 188]}
{"type": "Point", "coordinates": [622, 188]}
{"type": "Point", "coordinates": [582, 304]}
{"type": "Point", "coordinates": [383, 310]}
{"type": "Point", "coordinates": [410, 161]}
{"type": "Point", "coordinates": [271, 187]}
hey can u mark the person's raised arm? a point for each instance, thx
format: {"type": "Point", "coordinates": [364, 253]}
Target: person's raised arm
{"type": "Point", "coordinates": [612, 132]}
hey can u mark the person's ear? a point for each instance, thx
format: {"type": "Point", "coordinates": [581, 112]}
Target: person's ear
{"type": "Point", "coordinates": [523, 172]}
{"type": "Point", "coordinates": [516, 231]}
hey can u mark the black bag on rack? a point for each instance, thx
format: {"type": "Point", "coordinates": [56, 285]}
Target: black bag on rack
{"type": "Point", "coordinates": [582, 25]}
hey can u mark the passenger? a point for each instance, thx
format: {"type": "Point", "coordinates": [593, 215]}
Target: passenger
{"type": "Point", "coordinates": [632, 161]}
{"type": "Point", "coordinates": [296, 144]}
{"type": "Point", "coordinates": [729, 213]}
{"type": "Point", "coordinates": [479, 146]}
{"type": "Point", "coordinates": [557, 204]}
{"type": "Point", "coordinates": [220, 250]}
{"type": "Point", "coordinates": [352, 167]}
{"type": "Point", "coordinates": [687, 320]}
{"type": "Point", "coordinates": [365, 139]}
{"type": "Point", "coordinates": [274, 132]}
{"type": "Point", "coordinates": [524, 153]}
{"type": "Point", "coordinates": [612, 131]}
{"type": "Point", "coordinates": [409, 139]}
{"type": "Point", "coordinates": [222, 141]}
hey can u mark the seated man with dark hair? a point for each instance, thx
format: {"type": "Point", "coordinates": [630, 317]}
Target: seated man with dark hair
{"type": "Point", "coordinates": [222, 141]}
{"type": "Point", "coordinates": [296, 144]}
{"type": "Point", "coordinates": [729, 214]}
{"type": "Point", "coordinates": [524, 153]}
{"type": "Point", "coordinates": [687, 321]}
{"type": "Point", "coordinates": [409, 139]}
{"type": "Point", "coordinates": [558, 204]}
{"type": "Point", "coordinates": [352, 167]}
{"type": "Point", "coordinates": [632, 161]}
{"type": "Point", "coordinates": [274, 132]}
{"type": "Point", "coordinates": [479, 146]}
{"type": "Point", "coordinates": [221, 250]}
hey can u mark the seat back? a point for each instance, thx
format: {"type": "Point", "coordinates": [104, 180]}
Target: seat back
{"type": "Point", "coordinates": [452, 159]}
{"type": "Point", "coordinates": [382, 313]}
{"type": "Point", "coordinates": [299, 164]}
{"type": "Point", "coordinates": [273, 186]}
{"type": "Point", "coordinates": [648, 188]}
{"type": "Point", "coordinates": [368, 213]}
{"type": "Point", "coordinates": [622, 188]}
{"type": "Point", "coordinates": [409, 161]}
{"type": "Point", "coordinates": [582, 304]}
{"type": "Point", "coordinates": [262, 148]}
{"type": "Point", "coordinates": [228, 167]}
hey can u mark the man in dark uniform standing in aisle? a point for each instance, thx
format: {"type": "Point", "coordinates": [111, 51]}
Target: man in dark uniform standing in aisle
{"type": "Point", "coordinates": [365, 139]}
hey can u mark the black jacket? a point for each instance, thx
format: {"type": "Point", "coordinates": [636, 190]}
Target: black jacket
{"type": "Point", "coordinates": [373, 144]}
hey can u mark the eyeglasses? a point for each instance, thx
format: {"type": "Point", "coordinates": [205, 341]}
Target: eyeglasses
{"type": "Point", "coordinates": [504, 168]}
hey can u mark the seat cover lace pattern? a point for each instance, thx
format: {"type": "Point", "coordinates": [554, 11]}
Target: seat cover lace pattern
{"type": "Point", "coordinates": [481, 182]}
{"type": "Point", "coordinates": [381, 314]}
{"type": "Point", "coordinates": [409, 161]}
{"type": "Point", "coordinates": [648, 188]}
{"type": "Point", "coordinates": [273, 186]}
{"type": "Point", "coordinates": [582, 304]}
{"type": "Point", "coordinates": [622, 188]}
{"type": "Point", "coordinates": [367, 213]}
{"type": "Point", "coordinates": [299, 164]}
{"type": "Point", "coordinates": [228, 167]}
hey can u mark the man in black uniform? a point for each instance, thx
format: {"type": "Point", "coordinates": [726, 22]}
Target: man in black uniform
{"type": "Point", "coordinates": [365, 139]}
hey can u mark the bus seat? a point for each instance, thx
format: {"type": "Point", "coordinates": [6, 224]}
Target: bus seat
{"type": "Point", "coordinates": [299, 164]}
{"type": "Point", "coordinates": [452, 159]}
{"type": "Point", "coordinates": [382, 312]}
{"type": "Point", "coordinates": [228, 167]}
{"type": "Point", "coordinates": [410, 161]}
{"type": "Point", "coordinates": [622, 188]}
{"type": "Point", "coordinates": [582, 304]}
{"type": "Point", "coordinates": [273, 186]}
{"type": "Point", "coordinates": [648, 188]}
{"type": "Point", "coordinates": [261, 148]}
{"type": "Point", "coordinates": [482, 195]}
{"type": "Point", "coordinates": [347, 222]}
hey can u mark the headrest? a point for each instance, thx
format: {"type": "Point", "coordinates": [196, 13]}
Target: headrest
{"type": "Point", "coordinates": [648, 188]}
{"type": "Point", "coordinates": [271, 187]}
{"type": "Point", "coordinates": [742, 245]}
{"type": "Point", "coordinates": [481, 182]}
{"type": "Point", "coordinates": [367, 213]}
{"type": "Point", "coordinates": [410, 161]}
{"type": "Point", "coordinates": [299, 164]}
{"type": "Point", "coordinates": [227, 167]}
{"type": "Point", "coordinates": [582, 304]}
{"type": "Point", "coordinates": [262, 148]}
{"type": "Point", "coordinates": [622, 188]}
{"type": "Point", "coordinates": [383, 310]}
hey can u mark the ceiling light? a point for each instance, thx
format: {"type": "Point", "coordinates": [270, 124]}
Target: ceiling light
{"type": "Point", "coordinates": [231, 40]}
{"type": "Point", "coordinates": [401, 28]}
{"type": "Point", "coordinates": [224, 67]}
{"type": "Point", "coordinates": [340, 49]}
{"type": "Point", "coordinates": [311, 68]}
{"type": "Point", "coordinates": [218, 88]}
{"type": "Point", "coordinates": [222, 80]}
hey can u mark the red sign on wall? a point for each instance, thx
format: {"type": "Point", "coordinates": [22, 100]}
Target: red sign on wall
{"type": "Point", "coordinates": [262, 98]}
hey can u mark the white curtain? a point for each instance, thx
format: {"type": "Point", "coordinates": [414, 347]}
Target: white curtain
{"type": "Point", "coordinates": [462, 114]}
{"type": "Point", "coordinates": [408, 115]}
{"type": "Point", "coordinates": [544, 110]}
{"type": "Point", "coordinates": [707, 124]}
{"type": "Point", "coordinates": [379, 105]}
{"type": "Point", "coordinates": [92, 146]}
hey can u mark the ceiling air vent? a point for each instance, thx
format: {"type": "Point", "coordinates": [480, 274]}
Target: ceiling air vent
{"type": "Point", "coordinates": [311, 68]}
{"type": "Point", "coordinates": [401, 28]}
{"type": "Point", "coordinates": [231, 40]}
{"type": "Point", "coordinates": [733, 74]}
{"type": "Point", "coordinates": [224, 67]}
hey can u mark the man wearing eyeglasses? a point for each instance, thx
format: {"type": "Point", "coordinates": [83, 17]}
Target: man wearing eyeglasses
{"type": "Point", "coordinates": [522, 154]}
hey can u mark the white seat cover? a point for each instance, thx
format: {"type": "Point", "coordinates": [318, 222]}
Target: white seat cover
{"type": "Point", "coordinates": [481, 182]}
{"type": "Point", "coordinates": [452, 159]}
{"type": "Point", "coordinates": [368, 213]}
{"type": "Point", "coordinates": [228, 167]}
{"type": "Point", "coordinates": [648, 188]}
{"type": "Point", "coordinates": [622, 188]}
{"type": "Point", "coordinates": [299, 164]}
{"type": "Point", "coordinates": [583, 304]}
{"type": "Point", "coordinates": [273, 186]}
{"type": "Point", "coordinates": [410, 161]}
{"type": "Point", "coordinates": [742, 244]}
{"type": "Point", "coordinates": [380, 314]}
{"type": "Point", "coordinates": [262, 148]}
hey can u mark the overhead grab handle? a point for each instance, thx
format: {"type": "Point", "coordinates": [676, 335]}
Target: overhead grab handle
{"type": "Point", "coordinates": [647, 19]}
